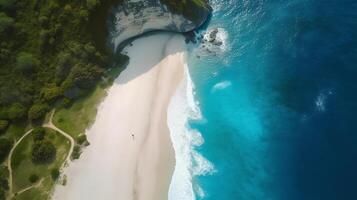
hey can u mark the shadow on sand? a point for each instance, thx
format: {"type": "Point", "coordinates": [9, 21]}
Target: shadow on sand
{"type": "Point", "coordinates": [144, 57]}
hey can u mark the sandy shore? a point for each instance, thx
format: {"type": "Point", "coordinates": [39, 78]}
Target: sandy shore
{"type": "Point", "coordinates": [118, 165]}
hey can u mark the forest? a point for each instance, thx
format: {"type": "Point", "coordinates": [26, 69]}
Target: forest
{"type": "Point", "coordinates": [51, 52]}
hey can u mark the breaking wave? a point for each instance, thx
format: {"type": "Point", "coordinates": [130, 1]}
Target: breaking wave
{"type": "Point", "coordinates": [189, 163]}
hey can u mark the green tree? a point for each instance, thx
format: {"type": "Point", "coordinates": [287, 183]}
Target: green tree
{"type": "Point", "coordinates": [37, 111]}
{"type": "Point", "coordinates": [16, 111]}
{"type": "Point", "coordinates": [51, 93]}
{"type": "Point", "coordinates": [43, 152]}
{"type": "Point", "coordinates": [3, 125]}
{"type": "Point", "coordinates": [5, 146]}
{"type": "Point", "coordinates": [85, 75]}
{"type": "Point", "coordinates": [5, 22]}
{"type": "Point", "coordinates": [4, 174]}
{"type": "Point", "coordinates": [82, 139]}
{"type": "Point", "coordinates": [25, 62]}
{"type": "Point", "coordinates": [55, 173]}
{"type": "Point", "coordinates": [64, 65]}
{"type": "Point", "coordinates": [92, 3]}
{"type": "Point", "coordinates": [38, 133]}
{"type": "Point", "coordinates": [2, 194]}
{"type": "Point", "coordinates": [6, 5]}
{"type": "Point", "coordinates": [33, 178]}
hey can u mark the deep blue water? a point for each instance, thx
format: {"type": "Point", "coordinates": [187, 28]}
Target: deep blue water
{"type": "Point", "coordinates": [284, 126]}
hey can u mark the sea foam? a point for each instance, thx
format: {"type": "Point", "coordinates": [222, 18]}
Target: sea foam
{"type": "Point", "coordinates": [189, 163]}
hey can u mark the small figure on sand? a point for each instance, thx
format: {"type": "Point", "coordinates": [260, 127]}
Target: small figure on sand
{"type": "Point", "coordinates": [132, 135]}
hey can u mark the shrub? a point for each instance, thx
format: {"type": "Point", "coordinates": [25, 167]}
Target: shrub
{"type": "Point", "coordinates": [51, 93]}
{"type": "Point", "coordinates": [33, 178]}
{"type": "Point", "coordinates": [43, 152]}
{"type": "Point", "coordinates": [76, 152]}
{"type": "Point", "coordinates": [55, 173]}
{"type": "Point", "coordinates": [38, 134]}
{"type": "Point", "coordinates": [65, 103]}
{"type": "Point", "coordinates": [92, 3]}
{"type": "Point", "coordinates": [5, 22]}
{"type": "Point", "coordinates": [6, 4]}
{"type": "Point", "coordinates": [5, 147]}
{"type": "Point", "coordinates": [25, 62]}
{"type": "Point", "coordinates": [4, 174]}
{"type": "Point", "coordinates": [37, 111]}
{"type": "Point", "coordinates": [82, 139]}
{"type": "Point", "coordinates": [85, 75]}
{"type": "Point", "coordinates": [2, 194]}
{"type": "Point", "coordinates": [3, 125]}
{"type": "Point", "coordinates": [16, 111]}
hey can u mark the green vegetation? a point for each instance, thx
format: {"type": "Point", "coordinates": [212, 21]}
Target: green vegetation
{"type": "Point", "coordinates": [78, 116]}
{"type": "Point", "coordinates": [191, 9]}
{"type": "Point", "coordinates": [76, 152]}
{"type": "Point", "coordinates": [34, 193]}
{"type": "Point", "coordinates": [15, 111]}
{"type": "Point", "coordinates": [15, 130]}
{"type": "Point", "coordinates": [53, 54]}
{"type": "Point", "coordinates": [55, 173]}
{"type": "Point", "coordinates": [25, 62]}
{"type": "Point", "coordinates": [5, 147]}
{"type": "Point", "coordinates": [4, 184]}
{"type": "Point", "coordinates": [6, 22]}
{"type": "Point", "coordinates": [38, 134]}
{"type": "Point", "coordinates": [82, 140]}
{"type": "Point", "coordinates": [50, 51]}
{"type": "Point", "coordinates": [43, 152]}
{"type": "Point", "coordinates": [33, 178]}
{"type": "Point", "coordinates": [24, 167]}
{"type": "Point", "coordinates": [3, 125]}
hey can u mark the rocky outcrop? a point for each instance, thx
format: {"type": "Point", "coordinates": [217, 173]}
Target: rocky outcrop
{"type": "Point", "coordinates": [132, 18]}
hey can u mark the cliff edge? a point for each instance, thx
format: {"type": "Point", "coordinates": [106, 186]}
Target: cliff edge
{"type": "Point", "coordinates": [132, 18]}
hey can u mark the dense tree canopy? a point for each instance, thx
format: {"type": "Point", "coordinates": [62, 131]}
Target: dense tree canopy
{"type": "Point", "coordinates": [38, 134]}
{"type": "Point", "coordinates": [5, 147]}
{"type": "Point", "coordinates": [3, 125]}
{"type": "Point", "coordinates": [4, 173]}
{"type": "Point", "coordinates": [5, 22]}
{"type": "Point", "coordinates": [25, 62]}
{"type": "Point", "coordinates": [33, 178]}
{"type": "Point", "coordinates": [6, 5]}
{"type": "Point", "coordinates": [2, 194]}
{"type": "Point", "coordinates": [37, 111]}
{"type": "Point", "coordinates": [43, 152]}
{"type": "Point", "coordinates": [16, 111]}
{"type": "Point", "coordinates": [50, 50]}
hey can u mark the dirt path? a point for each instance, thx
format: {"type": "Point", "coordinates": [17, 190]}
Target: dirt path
{"type": "Point", "coordinates": [10, 158]}
{"type": "Point", "coordinates": [69, 137]}
{"type": "Point", "coordinates": [46, 125]}
{"type": "Point", "coordinates": [38, 184]}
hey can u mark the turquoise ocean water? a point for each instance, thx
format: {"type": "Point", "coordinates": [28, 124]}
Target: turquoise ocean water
{"type": "Point", "coordinates": [278, 101]}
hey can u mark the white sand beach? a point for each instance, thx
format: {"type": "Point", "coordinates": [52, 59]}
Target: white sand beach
{"type": "Point", "coordinates": [117, 165]}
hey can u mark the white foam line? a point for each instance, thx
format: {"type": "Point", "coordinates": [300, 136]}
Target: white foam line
{"type": "Point", "coordinates": [189, 163]}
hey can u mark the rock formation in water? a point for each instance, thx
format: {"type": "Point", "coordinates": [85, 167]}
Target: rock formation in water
{"type": "Point", "coordinates": [132, 18]}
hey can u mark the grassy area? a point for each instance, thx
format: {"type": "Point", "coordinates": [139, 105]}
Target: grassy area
{"type": "Point", "coordinates": [34, 193]}
{"type": "Point", "coordinates": [16, 130]}
{"type": "Point", "coordinates": [23, 166]}
{"type": "Point", "coordinates": [75, 119]}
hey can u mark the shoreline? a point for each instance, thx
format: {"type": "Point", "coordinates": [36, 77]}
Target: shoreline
{"type": "Point", "coordinates": [131, 154]}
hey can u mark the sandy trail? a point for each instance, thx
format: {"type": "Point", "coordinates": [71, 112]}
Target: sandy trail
{"type": "Point", "coordinates": [131, 155]}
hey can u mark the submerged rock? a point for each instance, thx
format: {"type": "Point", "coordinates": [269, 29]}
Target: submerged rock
{"type": "Point", "coordinates": [213, 43]}
{"type": "Point", "coordinates": [213, 35]}
{"type": "Point", "coordinates": [132, 18]}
